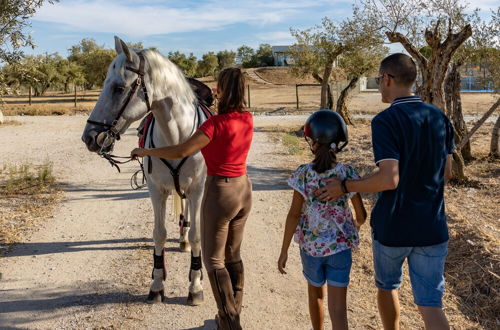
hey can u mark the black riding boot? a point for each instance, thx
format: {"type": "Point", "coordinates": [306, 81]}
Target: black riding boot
{"type": "Point", "coordinates": [236, 272]}
{"type": "Point", "coordinates": [228, 317]}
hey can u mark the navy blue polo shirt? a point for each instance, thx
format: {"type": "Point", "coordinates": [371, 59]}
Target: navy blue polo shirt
{"type": "Point", "coordinates": [420, 137]}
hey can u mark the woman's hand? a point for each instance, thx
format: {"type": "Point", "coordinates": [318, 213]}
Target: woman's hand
{"type": "Point", "coordinates": [138, 152]}
{"type": "Point", "coordinates": [282, 262]}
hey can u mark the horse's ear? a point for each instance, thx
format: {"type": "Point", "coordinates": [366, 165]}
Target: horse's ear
{"type": "Point", "coordinates": [121, 47]}
{"type": "Point", "coordinates": [118, 45]}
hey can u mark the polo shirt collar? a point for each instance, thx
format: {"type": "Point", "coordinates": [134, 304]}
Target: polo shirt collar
{"type": "Point", "coordinates": [406, 99]}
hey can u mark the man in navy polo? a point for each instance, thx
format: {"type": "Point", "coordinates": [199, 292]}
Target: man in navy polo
{"type": "Point", "coordinates": [412, 145]}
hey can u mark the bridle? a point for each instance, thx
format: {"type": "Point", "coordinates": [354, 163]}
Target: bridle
{"type": "Point", "coordinates": [112, 133]}
{"type": "Point", "coordinates": [109, 136]}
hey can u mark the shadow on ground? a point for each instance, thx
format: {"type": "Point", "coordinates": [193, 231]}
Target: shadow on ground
{"type": "Point", "coordinates": [269, 178]}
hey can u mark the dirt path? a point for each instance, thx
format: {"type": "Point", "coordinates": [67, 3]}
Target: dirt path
{"type": "Point", "coordinates": [89, 266]}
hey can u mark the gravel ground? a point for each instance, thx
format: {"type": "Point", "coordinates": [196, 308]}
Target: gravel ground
{"type": "Point", "coordinates": [89, 266]}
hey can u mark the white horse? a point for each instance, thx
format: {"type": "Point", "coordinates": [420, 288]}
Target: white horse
{"type": "Point", "coordinates": [138, 81]}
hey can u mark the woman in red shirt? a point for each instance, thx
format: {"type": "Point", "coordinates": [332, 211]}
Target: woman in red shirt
{"type": "Point", "coordinates": [224, 141]}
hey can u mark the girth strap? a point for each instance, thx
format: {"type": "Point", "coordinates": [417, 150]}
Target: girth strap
{"type": "Point", "coordinates": [174, 171]}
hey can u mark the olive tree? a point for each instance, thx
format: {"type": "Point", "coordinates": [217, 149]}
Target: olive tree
{"type": "Point", "coordinates": [14, 19]}
{"type": "Point", "coordinates": [355, 64]}
{"type": "Point", "coordinates": [94, 60]}
{"type": "Point", "coordinates": [318, 48]}
{"type": "Point", "coordinates": [441, 25]}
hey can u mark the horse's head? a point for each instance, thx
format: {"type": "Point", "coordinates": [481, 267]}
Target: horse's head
{"type": "Point", "coordinates": [122, 101]}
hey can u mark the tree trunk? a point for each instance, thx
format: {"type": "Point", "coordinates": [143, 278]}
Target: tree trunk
{"type": "Point", "coordinates": [341, 102]}
{"type": "Point", "coordinates": [329, 92]}
{"type": "Point", "coordinates": [494, 139]}
{"type": "Point", "coordinates": [454, 110]}
{"type": "Point", "coordinates": [324, 85]}
{"type": "Point", "coordinates": [458, 167]}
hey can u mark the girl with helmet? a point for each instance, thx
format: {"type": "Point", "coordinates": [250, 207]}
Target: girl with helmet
{"type": "Point", "coordinates": [326, 231]}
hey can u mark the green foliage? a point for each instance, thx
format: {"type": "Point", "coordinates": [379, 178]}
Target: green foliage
{"type": "Point", "coordinates": [264, 55]}
{"type": "Point", "coordinates": [208, 65]}
{"type": "Point", "coordinates": [226, 59]}
{"type": "Point", "coordinates": [426, 51]}
{"type": "Point", "coordinates": [93, 59]}
{"type": "Point", "coordinates": [321, 45]}
{"type": "Point", "coordinates": [14, 21]}
{"type": "Point", "coordinates": [250, 58]}
{"type": "Point", "coordinates": [360, 61]}
{"type": "Point", "coordinates": [246, 56]}
{"type": "Point", "coordinates": [188, 64]}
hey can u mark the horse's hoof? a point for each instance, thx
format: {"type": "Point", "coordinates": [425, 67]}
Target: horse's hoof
{"type": "Point", "coordinates": [184, 246]}
{"type": "Point", "coordinates": [156, 297]}
{"type": "Point", "coordinates": [195, 298]}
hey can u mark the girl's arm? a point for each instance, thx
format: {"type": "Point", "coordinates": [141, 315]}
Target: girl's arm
{"type": "Point", "coordinates": [194, 144]}
{"type": "Point", "coordinates": [292, 220]}
{"type": "Point", "coordinates": [359, 210]}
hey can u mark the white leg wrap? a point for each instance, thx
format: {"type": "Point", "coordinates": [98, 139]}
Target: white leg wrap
{"type": "Point", "coordinates": [157, 284]}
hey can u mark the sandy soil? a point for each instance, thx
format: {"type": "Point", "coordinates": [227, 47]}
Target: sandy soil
{"type": "Point", "coordinates": [89, 265]}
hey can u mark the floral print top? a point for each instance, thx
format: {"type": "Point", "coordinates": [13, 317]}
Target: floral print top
{"type": "Point", "coordinates": [324, 228]}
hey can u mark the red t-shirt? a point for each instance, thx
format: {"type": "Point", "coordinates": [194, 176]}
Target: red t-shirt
{"type": "Point", "coordinates": [230, 137]}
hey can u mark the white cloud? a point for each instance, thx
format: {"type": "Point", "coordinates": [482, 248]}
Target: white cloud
{"type": "Point", "coordinates": [276, 37]}
{"type": "Point", "coordinates": [139, 19]}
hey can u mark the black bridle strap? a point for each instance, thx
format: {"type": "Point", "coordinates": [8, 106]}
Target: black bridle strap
{"type": "Point", "coordinates": [138, 82]}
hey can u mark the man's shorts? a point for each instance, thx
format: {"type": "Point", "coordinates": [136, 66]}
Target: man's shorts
{"type": "Point", "coordinates": [333, 269]}
{"type": "Point", "coordinates": [426, 266]}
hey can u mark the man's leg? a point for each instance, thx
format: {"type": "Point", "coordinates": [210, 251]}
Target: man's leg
{"type": "Point", "coordinates": [434, 318]}
{"type": "Point", "coordinates": [388, 307]}
{"type": "Point", "coordinates": [426, 264]}
{"type": "Point", "coordinates": [316, 309]}
{"type": "Point", "coordinates": [388, 263]}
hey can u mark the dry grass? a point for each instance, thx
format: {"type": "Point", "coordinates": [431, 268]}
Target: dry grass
{"type": "Point", "coordinates": [10, 123]}
{"type": "Point", "coordinates": [51, 104]}
{"type": "Point", "coordinates": [472, 299]}
{"type": "Point", "coordinates": [263, 98]}
{"type": "Point", "coordinates": [27, 195]}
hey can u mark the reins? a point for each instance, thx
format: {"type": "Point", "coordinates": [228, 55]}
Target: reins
{"type": "Point", "coordinates": [113, 134]}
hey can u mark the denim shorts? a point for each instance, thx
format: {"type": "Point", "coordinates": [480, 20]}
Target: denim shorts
{"type": "Point", "coordinates": [426, 266]}
{"type": "Point", "coordinates": [333, 269]}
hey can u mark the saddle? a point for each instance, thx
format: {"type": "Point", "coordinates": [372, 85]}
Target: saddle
{"type": "Point", "coordinates": [205, 100]}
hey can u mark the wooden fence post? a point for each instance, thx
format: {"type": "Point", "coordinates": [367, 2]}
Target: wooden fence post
{"type": "Point", "coordinates": [29, 97]}
{"type": "Point", "coordinates": [297, 95]}
{"type": "Point", "coordinates": [248, 88]}
{"type": "Point", "coordinates": [75, 95]}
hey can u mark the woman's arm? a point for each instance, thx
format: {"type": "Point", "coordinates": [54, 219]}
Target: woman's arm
{"type": "Point", "coordinates": [292, 220]}
{"type": "Point", "coordinates": [359, 210]}
{"type": "Point", "coordinates": [194, 144]}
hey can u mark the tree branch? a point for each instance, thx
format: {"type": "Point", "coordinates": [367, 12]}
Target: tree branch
{"type": "Point", "coordinates": [398, 37]}
{"type": "Point", "coordinates": [478, 124]}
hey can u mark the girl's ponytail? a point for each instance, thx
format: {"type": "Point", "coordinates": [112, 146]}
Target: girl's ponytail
{"type": "Point", "coordinates": [324, 156]}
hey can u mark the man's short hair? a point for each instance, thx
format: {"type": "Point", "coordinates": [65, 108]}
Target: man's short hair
{"type": "Point", "coordinates": [401, 67]}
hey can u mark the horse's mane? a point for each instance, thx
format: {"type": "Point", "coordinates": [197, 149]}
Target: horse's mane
{"type": "Point", "coordinates": [166, 78]}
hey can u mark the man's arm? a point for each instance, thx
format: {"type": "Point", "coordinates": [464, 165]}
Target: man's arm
{"type": "Point", "coordinates": [447, 169]}
{"type": "Point", "coordinates": [386, 178]}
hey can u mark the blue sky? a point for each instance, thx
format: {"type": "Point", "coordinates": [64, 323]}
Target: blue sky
{"type": "Point", "coordinates": [184, 25]}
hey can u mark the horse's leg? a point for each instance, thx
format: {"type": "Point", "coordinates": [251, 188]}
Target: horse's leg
{"type": "Point", "coordinates": [182, 211]}
{"type": "Point", "coordinates": [195, 296]}
{"type": "Point", "coordinates": [157, 292]}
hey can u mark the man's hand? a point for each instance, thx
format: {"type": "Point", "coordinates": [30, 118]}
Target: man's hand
{"type": "Point", "coordinates": [331, 191]}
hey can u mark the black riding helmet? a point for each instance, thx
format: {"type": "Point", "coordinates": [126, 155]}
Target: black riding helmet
{"type": "Point", "coordinates": [326, 127]}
